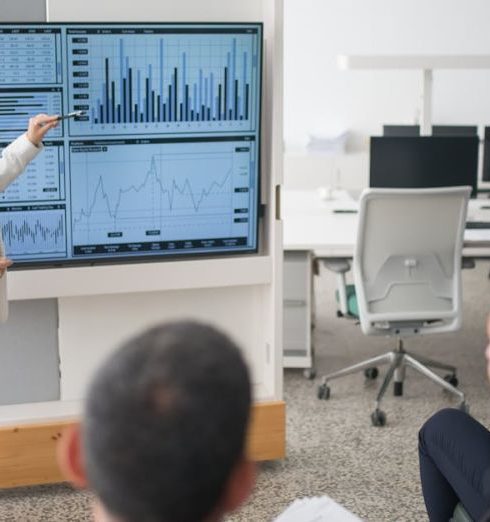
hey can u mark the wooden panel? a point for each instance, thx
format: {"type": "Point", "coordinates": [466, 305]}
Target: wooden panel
{"type": "Point", "coordinates": [28, 452]}
{"type": "Point", "coordinates": [267, 437]}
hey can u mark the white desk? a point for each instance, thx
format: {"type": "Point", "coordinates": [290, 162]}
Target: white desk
{"type": "Point", "coordinates": [311, 224]}
{"type": "Point", "coordinates": [312, 229]}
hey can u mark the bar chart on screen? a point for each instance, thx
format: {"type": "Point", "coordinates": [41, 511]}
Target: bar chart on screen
{"type": "Point", "coordinates": [156, 80]}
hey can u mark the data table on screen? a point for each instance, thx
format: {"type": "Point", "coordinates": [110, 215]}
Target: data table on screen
{"type": "Point", "coordinates": [43, 179]}
{"type": "Point", "coordinates": [30, 55]}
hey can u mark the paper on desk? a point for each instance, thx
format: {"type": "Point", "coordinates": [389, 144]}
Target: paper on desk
{"type": "Point", "coordinates": [316, 509]}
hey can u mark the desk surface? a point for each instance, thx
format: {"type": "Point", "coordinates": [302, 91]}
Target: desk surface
{"type": "Point", "coordinates": [311, 223]}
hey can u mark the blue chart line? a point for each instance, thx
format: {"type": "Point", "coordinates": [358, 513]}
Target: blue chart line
{"type": "Point", "coordinates": [185, 188]}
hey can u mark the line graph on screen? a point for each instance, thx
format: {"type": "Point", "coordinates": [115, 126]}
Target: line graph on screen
{"type": "Point", "coordinates": [178, 192]}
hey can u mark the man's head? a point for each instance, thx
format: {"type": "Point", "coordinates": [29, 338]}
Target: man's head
{"type": "Point", "coordinates": [163, 433]}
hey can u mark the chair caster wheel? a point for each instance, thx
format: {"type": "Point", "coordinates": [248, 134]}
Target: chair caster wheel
{"type": "Point", "coordinates": [451, 379]}
{"type": "Point", "coordinates": [323, 392]}
{"type": "Point", "coordinates": [371, 373]}
{"type": "Point", "coordinates": [309, 373]}
{"type": "Point", "coordinates": [398, 389]}
{"type": "Point", "coordinates": [464, 407]}
{"type": "Point", "coordinates": [339, 314]}
{"type": "Point", "coordinates": [378, 418]}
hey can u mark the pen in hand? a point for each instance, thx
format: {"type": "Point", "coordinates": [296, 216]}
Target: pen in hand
{"type": "Point", "coordinates": [74, 114]}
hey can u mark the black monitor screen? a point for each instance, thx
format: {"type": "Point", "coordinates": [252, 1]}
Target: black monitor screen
{"type": "Point", "coordinates": [424, 162]}
{"type": "Point", "coordinates": [401, 130]}
{"type": "Point", "coordinates": [165, 160]}
{"type": "Point", "coordinates": [454, 130]}
{"type": "Point", "coordinates": [486, 155]}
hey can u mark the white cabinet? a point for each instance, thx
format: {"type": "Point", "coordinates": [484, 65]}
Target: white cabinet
{"type": "Point", "coordinates": [298, 310]}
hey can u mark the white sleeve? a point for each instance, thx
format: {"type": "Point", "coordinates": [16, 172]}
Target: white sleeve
{"type": "Point", "coordinates": [15, 158]}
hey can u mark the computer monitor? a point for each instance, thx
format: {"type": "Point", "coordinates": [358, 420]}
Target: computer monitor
{"type": "Point", "coordinates": [401, 130]}
{"type": "Point", "coordinates": [423, 162]}
{"type": "Point", "coordinates": [165, 161]}
{"type": "Point", "coordinates": [486, 155]}
{"type": "Point", "coordinates": [454, 130]}
{"type": "Point", "coordinates": [437, 130]}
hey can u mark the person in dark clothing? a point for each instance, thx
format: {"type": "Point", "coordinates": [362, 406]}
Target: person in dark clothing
{"type": "Point", "coordinates": [454, 456]}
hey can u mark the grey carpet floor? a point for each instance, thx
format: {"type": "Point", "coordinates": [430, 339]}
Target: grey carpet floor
{"type": "Point", "coordinates": [331, 446]}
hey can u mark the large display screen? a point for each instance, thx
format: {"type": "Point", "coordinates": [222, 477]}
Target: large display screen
{"type": "Point", "coordinates": [163, 162]}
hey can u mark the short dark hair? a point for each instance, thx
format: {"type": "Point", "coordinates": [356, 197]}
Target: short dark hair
{"type": "Point", "coordinates": [165, 423]}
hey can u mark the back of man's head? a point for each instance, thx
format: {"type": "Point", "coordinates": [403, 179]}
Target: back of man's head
{"type": "Point", "coordinates": [165, 424]}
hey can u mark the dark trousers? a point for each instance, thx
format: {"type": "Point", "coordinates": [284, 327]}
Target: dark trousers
{"type": "Point", "coordinates": [454, 453]}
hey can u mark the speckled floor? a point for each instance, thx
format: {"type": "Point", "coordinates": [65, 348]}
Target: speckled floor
{"type": "Point", "coordinates": [332, 448]}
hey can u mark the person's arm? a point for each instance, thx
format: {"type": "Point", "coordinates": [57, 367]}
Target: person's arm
{"type": "Point", "coordinates": [4, 264]}
{"type": "Point", "coordinates": [24, 149]}
{"type": "Point", "coordinates": [18, 154]}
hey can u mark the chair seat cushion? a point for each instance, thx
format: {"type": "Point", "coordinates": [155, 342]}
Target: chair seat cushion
{"type": "Point", "coordinates": [352, 307]}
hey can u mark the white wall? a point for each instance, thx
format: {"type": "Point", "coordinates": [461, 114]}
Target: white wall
{"type": "Point", "coordinates": [100, 320]}
{"type": "Point", "coordinates": [319, 98]}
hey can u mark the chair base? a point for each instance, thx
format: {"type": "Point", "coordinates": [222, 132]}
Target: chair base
{"type": "Point", "coordinates": [398, 360]}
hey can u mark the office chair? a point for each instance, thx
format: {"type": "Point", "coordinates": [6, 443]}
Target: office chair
{"type": "Point", "coordinates": [407, 275]}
